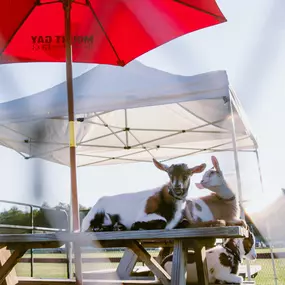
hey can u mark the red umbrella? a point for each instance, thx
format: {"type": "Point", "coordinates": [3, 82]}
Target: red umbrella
{"type": "Point", "coordinates": [99, 31]}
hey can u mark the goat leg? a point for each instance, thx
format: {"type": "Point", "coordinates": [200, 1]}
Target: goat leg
{"type": "Point", "coordinates": [149, 225]}
{"type": "Point", "coordinates": [214, 223]}
{"type": "Point", "coordinates": [238, 222]}
{"type": "Point", "coordinates": [119, 227]}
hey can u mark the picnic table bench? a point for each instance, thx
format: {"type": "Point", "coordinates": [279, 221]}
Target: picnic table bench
{"type": "Point", "coordinates": [134, 243]}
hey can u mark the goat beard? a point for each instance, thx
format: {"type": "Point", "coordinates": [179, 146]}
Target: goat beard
{"type": "Point", "coordinates": [177, 197]}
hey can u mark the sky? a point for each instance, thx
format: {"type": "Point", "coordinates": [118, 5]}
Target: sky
{"type": "Point", "coordinates": [249, 46]}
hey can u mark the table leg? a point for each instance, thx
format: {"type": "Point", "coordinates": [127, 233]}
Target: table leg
{"type": "Point", "coordinates": [150, 262]}
{"type": "Point", "coordinates": [201, 264]}
{"type": "Point", "coordinates": [179, 262]}
{"type": "Point", "coordinates": [10, 263]}
{"type": "Point", "coordinates": [127, 264]}
{"type": "Point", "coordinates": [78, 265]}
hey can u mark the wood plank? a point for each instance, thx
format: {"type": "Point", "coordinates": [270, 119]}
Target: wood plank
{"type": "Point", "coordinates": [128, 282]}
{"type": "Point", "coordinates": [36, 244]}
{"type": "Point", "coordinates": [64, 259]}
{"type": "Point", "coordinates": [78, 264]}
{"type": "Point", "coordinates": [11, 278]}
{"type": "Point", "coordinates": [178, 274]}
{"type": "Point", "coordinates": [100, 274]}
{"type": "Point", "coordinates": [40, 281]}
{"type": "Point", "coordinates": [141, 271]}
{"type": "Point", "coordinates": [6, 268]}
{"type": "Point", "coordinates": [35, 281]}
{"type": "Point", "coordinates": [150, 262]}
{"type": "Point", "coordinates": [127, 264]}
{"type": "Point", "coordinates": [147, 235]}
{"type": "Point", "coordinates": [111, 274]}
{"type": "Point", "coordinates": [201, 263]}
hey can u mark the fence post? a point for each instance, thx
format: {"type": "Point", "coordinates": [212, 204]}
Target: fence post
{"type": "Point", "coordinates": [268, 238]}
{"type": "Point", "coordinates": [32, 231]}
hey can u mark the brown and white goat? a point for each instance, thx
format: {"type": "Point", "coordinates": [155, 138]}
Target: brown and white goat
{"type": "Point", "coordinates": [220, 206]}
{"type": "Point", "coordinates": [157, 208]}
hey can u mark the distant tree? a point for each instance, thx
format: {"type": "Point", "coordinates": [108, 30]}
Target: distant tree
{"type": "Point", "coordinates": [15, 217]}
{"type": "Point", "coordinates": [62, 206]}
{"type": "Point", "coordinates": [83, 208]}
{"type": "Point", "coordinates": [45, 205]}
{"type": "Point", "coordinates": [43, 217]}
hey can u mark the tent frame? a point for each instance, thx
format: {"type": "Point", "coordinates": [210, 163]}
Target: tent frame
{"type": "Point", "coordinates": [239, 185]}
{"type": "Point", "coordinates": [139, 147]}
{"type": "Point", "coordinates": [234, 107]}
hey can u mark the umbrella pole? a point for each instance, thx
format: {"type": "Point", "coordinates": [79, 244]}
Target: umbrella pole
{"type": "Point", "coordinates": [72, 141]}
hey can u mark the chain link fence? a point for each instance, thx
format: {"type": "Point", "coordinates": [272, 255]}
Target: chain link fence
{"type": "Point", "coordinates": [270, 272]}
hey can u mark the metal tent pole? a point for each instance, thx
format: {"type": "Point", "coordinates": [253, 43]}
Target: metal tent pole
{"type": "Point", "coordinates": [238, 174]}
{"type": "Point", "coordinates": [267, 227]}
{"type": "Point", "coordinates": [236, 159]}
{"type": "Point", "coordinates": [72, 140]}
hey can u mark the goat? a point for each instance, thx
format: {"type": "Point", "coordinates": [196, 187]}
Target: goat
{"type": "Point", "coordinates": [220, 207]}
{"type": "Point", "coordinates": [149, 209]}
{"type": "Point", "coordinates": [222, 260]}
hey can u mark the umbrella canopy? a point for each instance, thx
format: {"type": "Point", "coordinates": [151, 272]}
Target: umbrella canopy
{"type": "Point", "coordinates": [126, 115]}
{"type": "Point", "coordinates": [109, 32]}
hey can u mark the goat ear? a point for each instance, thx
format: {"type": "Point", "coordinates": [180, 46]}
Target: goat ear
{"type": "Point", "coordinates": [215, 163]}
{"type": "Point", "coordinates": [197, 169]}
{"type": "Point", "coordinates": [160, 166]}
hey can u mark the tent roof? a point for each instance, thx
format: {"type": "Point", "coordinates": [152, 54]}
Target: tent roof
{"type": "Point", "coordinates": [128, 114]}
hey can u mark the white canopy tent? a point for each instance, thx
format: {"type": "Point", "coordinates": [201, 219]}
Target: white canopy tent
{"type": "Point", "coordinates": [128, 114]}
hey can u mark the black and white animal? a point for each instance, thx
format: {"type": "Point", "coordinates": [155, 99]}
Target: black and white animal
{"type": "Point", "coordinates": [149, 209]}
{"type": "Point", "coordinates": [222, 260]}
{"type": "Point", "coordinates": [220, 206]}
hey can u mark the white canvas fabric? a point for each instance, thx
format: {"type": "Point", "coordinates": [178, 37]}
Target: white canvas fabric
{"type": "Point", "coordinates": [125, 115]}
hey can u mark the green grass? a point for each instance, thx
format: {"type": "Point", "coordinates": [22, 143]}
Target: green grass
{"type": "Point", "coordinates": [59, 270]}
{"type": "Point", "coordinates": [266, 275]}
{"type": "Point", "coordinates": [92, 254]}
{"type": "Point", "coordinates": [42, 270]}
{"type": "Point", "coordinates": [266, 250]}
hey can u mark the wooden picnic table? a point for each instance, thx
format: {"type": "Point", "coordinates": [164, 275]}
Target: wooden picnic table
{"type": "Point", "coordinates": [135, 243]}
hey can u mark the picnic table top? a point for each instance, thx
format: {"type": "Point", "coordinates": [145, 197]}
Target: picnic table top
{"type": "Point", "coordinates": [142, 235]}
{"type": "Point", "coordinates": [22, 242]}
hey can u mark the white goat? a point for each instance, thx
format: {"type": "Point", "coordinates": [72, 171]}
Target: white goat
{"type": "Point", "coordinates": [222, 260]}
{"type": "Point", "coordinates": [220, 206]}
{"type": "Point", "coordinates": [149, 209]}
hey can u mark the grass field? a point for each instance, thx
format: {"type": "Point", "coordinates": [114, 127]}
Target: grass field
{"type": "Point", "coordinates": [59, 270]}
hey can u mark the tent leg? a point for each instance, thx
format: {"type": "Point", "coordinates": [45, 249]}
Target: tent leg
{"type": "Point", "coordinates": [267, 227]}
{"type": "Point", "coordinates": [72, 141]}
{"type": "Point", "coordinates": [242, 213]}
{"type": "Point", "coordinates": [236, 160]}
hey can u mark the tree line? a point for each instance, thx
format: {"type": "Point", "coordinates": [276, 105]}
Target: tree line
{"type": "Point", "coordinates": [44, 217]}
